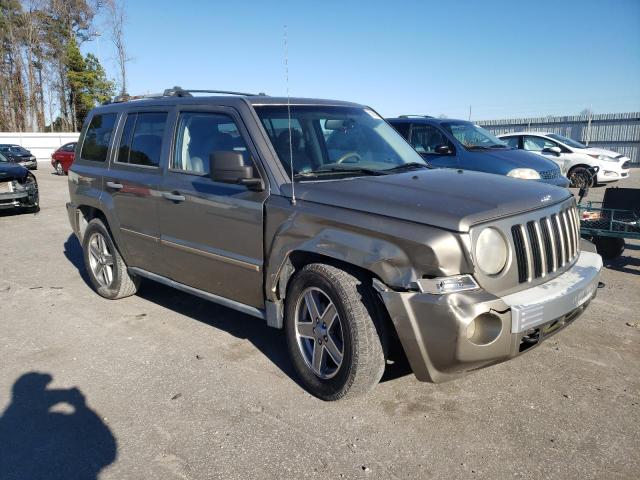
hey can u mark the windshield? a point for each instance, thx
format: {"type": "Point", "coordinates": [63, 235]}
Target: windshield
{"type": "Point", "coordinates": [566, 141]}
{"type": "Point", "coordinates": [329, 141]}
{"type": "Point", "coordinates": [17, 149]}
{"type": "Point", "coordinates": [473, 136]}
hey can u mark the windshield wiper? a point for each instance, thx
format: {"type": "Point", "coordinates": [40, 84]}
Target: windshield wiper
{"type": "Point", "coordinates": [477, 147]}
{"type": "Point", "coordinates": [497, 145]}
{"type": "Point", "coordinates": [338, 170]}
{"type": "Point", "coordinates": [407, 166]}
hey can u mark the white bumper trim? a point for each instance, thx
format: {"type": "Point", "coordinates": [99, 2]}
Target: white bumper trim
{"type": "Point", "coordinates": [549, 301]}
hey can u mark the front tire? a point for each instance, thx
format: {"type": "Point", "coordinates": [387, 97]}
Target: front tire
{"type": "Point", "coordinates": [580, 177]}
{"type": "Point", "coordinates": [59, 169]}
{"type": "Point", "coordinates": [106, 269]}
{"type": "Point", "coordinates": [331, 332]}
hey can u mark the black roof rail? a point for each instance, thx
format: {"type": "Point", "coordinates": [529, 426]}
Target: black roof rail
{"type": "Point", "coordinates": [420, 116]}
{"type": "Point", "coordinates": [182, 92]}
{"type": "Point", "coordinates": [175, 92]}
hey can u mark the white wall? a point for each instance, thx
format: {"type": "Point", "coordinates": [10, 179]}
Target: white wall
{"type": "Point", "coordinates": [42, 145]}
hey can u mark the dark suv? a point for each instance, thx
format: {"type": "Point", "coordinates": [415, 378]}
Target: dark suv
{"type": "Point", "coordinates": [316, 216]}
{"type": "Point", "coordinates": [459, 144]}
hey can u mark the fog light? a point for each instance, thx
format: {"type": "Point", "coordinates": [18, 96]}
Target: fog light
{"type": "Point", "coordinates": [484, 329]}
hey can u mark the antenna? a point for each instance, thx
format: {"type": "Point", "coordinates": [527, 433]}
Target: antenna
{"type": "Point", "coordinates": [286, 73]}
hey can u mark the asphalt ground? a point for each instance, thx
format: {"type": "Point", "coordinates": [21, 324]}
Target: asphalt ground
{"type": "Point", "coordinates": [166, 385]}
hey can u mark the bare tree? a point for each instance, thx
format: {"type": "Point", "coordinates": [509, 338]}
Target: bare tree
{"type": "Point", "coordinates": [117, 20]}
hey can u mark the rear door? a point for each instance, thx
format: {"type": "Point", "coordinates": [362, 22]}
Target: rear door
{"type": "Point", "coordinates": [427, 139]}
{"type": "Point", "coordinates": [131, 184]}
{"type": "Point", "coordinates": [212, 232]}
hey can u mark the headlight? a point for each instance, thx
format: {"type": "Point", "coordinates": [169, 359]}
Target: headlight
{"type": "Point", "coordinates": [491, 251]}
{"type": "Point", "coordinates": [604, 158]}
{"type": "Point", "coordinates": [524, 173]}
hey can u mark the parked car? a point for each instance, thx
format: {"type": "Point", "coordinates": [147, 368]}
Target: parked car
{"type": "Point", "coordinates": [317, 217]}
{"type": "Point", "coordinates": [20, 155]}
{"type": "Point", "coordinates": [18, 187]}
{"type": "Point", "coordinates": [62, 158]}
{"type": "Point", "coordinates": [572, 156]}
{"type": "Point", "coordinates": [460, 144]}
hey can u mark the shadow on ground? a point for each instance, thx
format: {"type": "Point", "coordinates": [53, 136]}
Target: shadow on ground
{"type": "Point", "coordinates": [52, 434]}
{"type": "Point", "coordinates": [269, 341]}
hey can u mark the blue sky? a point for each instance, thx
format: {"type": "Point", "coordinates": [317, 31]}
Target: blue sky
{"type": "Point", "coordinates": [504, 58]}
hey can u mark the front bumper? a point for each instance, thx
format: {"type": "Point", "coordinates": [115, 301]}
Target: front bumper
{"type": "Point", "coordinates": [612, 171]}
{"type": "Point", "coordinates": [433, 328]}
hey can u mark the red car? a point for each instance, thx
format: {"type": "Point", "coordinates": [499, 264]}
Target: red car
{"type": "Point", "coordinates": [62, 158]}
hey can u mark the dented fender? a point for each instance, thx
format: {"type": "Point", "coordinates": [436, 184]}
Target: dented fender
{"type": "Point", "coordinates": [396, 251]}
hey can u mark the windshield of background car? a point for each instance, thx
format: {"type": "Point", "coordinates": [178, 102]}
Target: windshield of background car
{"type": "Point", "coordinates": [335, 140]}
{"type": "Point", "coordinates": [472, 136]}
{"type": "Point", "coordinates": [3, 158]}
{"type": "Point", "coordinates": [566, 141]}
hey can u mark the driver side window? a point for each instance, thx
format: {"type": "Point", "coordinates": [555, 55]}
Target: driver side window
{"type": "Point", "coordinates": [201, 134]}
{"type": "Point", "coordinates": [426, 139]}
{"type": "Point", "coordinates": [537, 144]}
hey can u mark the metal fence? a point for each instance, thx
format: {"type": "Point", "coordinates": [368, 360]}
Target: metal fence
{"type": "Point", "coordinates": [42, 145]}
{"type": "Point", "coordinates": [619, 132]}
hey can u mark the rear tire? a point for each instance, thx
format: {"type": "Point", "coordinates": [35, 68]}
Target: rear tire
{"type": "Point", "coordinates": [609, 247]}
{"type": "Point", "coordinates": [106, 269]}
{"type": "Point", "coordinates": [350, 348]}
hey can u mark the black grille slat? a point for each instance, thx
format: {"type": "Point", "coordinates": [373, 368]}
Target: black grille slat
{"type": "Point", "coordinates": [546, 240]}
{"type": "Point", "coordinates": [535, 250]}
{"type": "Point", "coordinates": [556, 238]}
{"type": "Point", "coordinates": [521, 256]}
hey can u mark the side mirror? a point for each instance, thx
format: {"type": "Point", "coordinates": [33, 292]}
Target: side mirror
{"type": "Point", "coordinates": [443, 150]}
{"type": "Point", "coordinates": [555, 150]}
{"type": "Point", "coordinates": [229, 167]}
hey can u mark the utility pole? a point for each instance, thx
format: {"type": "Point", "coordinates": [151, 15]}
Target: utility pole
{"type": "Point", "coordinates": [589, 125]}
{"type": "Point", "coordinates": [469, 112]}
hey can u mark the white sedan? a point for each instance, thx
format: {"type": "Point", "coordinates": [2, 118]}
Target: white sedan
{"type": "Point", "coordinates": [573, 157]}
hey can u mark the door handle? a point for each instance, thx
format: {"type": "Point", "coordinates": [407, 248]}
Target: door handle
{"type": "Point", "coordinates": [174, 196]}
{"type": "Point", "coordinates": [114, 185]}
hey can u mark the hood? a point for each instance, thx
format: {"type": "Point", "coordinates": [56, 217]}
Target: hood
{"type": "Point", "coordinates": [518, 159]}
{"type": "Point", "coordinates": [599, 151]}
{"type": "Point", "coordinates": [10, 171]}
{"type": "Point", "coordinates": [450, 199]}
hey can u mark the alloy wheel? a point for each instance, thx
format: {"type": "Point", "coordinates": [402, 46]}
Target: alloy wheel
{"type": "Point", "coordinates": [319, 332]}
{"type": "Point", "coordinates": [101, 260]}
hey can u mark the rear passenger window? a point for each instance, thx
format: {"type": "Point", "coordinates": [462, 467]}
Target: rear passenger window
{"type": "Point", "coordinates": [97, 138]}
{"type": "Point", "coordinates": [201, 134]}
{"type": "Point", "coordinates": [141, 140]}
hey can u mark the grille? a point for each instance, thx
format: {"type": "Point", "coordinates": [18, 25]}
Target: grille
{"type": "Point", "coordinates": [543, 246]}
{"type": "Point", "coordinates": [550, 174]}
{"type": "Point", "coordinates": [626, 164]}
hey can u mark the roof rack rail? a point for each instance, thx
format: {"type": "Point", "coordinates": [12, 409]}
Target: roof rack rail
{"type": "Point", "coordinates": [175, 92]}
{"type": "Point", "coordinates": [420, 116]}
{"type": "Point", "coordinates": [182, 92]}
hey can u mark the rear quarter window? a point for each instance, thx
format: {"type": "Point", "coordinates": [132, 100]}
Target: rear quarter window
{"type": "Point", "coordinates": [96, 140]}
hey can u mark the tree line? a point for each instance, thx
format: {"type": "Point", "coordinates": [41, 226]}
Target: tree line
{"type": "Point", "coordinates": [46, 83]}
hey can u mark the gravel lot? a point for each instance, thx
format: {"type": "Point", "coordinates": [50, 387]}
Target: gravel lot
{"type": "Point", "coordinates": [165, 385]}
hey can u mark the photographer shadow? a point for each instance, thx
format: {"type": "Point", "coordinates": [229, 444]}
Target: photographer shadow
{"type": "Point", "coordinates": [52, 434]}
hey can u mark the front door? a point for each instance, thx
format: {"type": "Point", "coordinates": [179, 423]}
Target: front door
{"type": "Point", "coordinates": [212, 232]}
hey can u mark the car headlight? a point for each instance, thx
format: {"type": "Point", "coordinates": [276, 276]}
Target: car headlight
{"type": "Point", "coordinates": [524, 173]}
{"type": "Point", "coordinates": [491, 251]}
{"type": "Point", "coordinates": [604, 158]}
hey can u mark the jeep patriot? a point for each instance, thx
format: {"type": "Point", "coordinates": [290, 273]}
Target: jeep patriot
{"type": "Point", "coordinates": [319, 218]}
